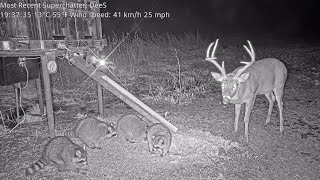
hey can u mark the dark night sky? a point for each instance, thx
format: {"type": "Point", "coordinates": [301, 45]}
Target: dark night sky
{"type": "Point", "coordinates": [278, 17]}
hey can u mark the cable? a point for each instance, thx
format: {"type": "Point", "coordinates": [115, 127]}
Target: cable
{"type": "Point", "coordinates": [22, 63]}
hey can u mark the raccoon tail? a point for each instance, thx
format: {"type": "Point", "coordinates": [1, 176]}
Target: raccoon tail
{"type": "Point", "coordinates": [36, 167]}
{"type": "Point", "coordinates": [69, 133]}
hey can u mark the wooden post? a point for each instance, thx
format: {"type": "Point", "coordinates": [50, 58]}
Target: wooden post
{"type": "Point", "coordinates": [99, 36]}
{"type": "Point", "coordinates": [100, 99]}
{"type": "Point", "coordinates": [16, 90]}
{"type": "Point", "coordinates": [47, 90]}
{"type": "Point", "coordinates": [40, 97]}
{"type": "Point", "coordinates": [100, 94]}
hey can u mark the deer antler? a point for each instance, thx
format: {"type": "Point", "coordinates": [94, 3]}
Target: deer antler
{"type": "Point", "coordinates": [212, 58]}
{"type": "Point", "coordinates": [247, 64]}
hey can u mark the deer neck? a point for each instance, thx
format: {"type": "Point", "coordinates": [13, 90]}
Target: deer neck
{"type": "Point", "coordinates": [241, 94]}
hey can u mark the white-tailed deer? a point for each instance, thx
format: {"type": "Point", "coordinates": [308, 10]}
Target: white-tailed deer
{"type": "Point", "coordinates": [266, 76]}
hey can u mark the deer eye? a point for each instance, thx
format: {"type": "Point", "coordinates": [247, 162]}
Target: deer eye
{"type": "Point", "coordinates": [234, 87]}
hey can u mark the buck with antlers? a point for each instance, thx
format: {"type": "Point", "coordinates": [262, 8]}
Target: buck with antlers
{"type": "Point", "coordinates": [266, 76]}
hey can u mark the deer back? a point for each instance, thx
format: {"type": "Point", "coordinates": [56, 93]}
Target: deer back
{"type": "Point", "coordinates": [265, 75]}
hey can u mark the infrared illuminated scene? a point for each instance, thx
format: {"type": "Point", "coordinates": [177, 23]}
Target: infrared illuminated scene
{"type": "Point", "coordinates": [159, 89]}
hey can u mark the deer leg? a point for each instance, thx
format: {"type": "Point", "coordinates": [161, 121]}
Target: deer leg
{"type": "Point", "coordinates": [271, 98]}
{"type": "Point", "coordinates": [237, 108]}
{"type": "Point", "coordinates": [279, 93]}
{"type": "Point", "coordinates": [249, 107]}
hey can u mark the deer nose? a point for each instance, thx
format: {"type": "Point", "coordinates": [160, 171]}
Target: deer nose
{"type": "Point", "coordinates": [226, 99]}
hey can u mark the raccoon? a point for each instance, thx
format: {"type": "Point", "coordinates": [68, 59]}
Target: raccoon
{"type": "Point", "coordinates": [61, 152]}
{"type": "Point", "coordinates": [91, 132]}
{"type": "Point", "coordinates": [132, 128]}
{"type": "Point", "coordinates": [159, 138]}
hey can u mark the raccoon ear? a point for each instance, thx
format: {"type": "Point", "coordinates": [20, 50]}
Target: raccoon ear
{"type": "Point", "coordinates": [78, 153]}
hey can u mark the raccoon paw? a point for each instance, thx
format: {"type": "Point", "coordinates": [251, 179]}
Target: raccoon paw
{"type": "Point", "coordinates": [84, 171]}
{"type": "Point", "coordinates": [61, 168]}
{"type": "Point", "coordinates": [92, 146]}
{"type": "Point", "coordinates": [130, 140]}
{"type": "Point", "coordinates": [98, 147]}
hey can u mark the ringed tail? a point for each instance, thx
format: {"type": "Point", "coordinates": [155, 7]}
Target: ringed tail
{"type": "Point", "coordinates": [69, 133]}
{"type": "Point", "coordinates": [35, 167]}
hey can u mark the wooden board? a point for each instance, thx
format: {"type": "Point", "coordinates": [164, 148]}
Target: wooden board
{"type": "Point", "coordinates": [122, 94]}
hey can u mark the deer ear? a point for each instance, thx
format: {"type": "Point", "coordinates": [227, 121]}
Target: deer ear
{"type": "Point", "coordinates": [244, 77]}
{"type": "Point", "coordinates": [217, 76]}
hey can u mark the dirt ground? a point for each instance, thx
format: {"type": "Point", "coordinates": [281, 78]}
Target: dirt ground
{"type": "Point", "coordinates": [206, 146]}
